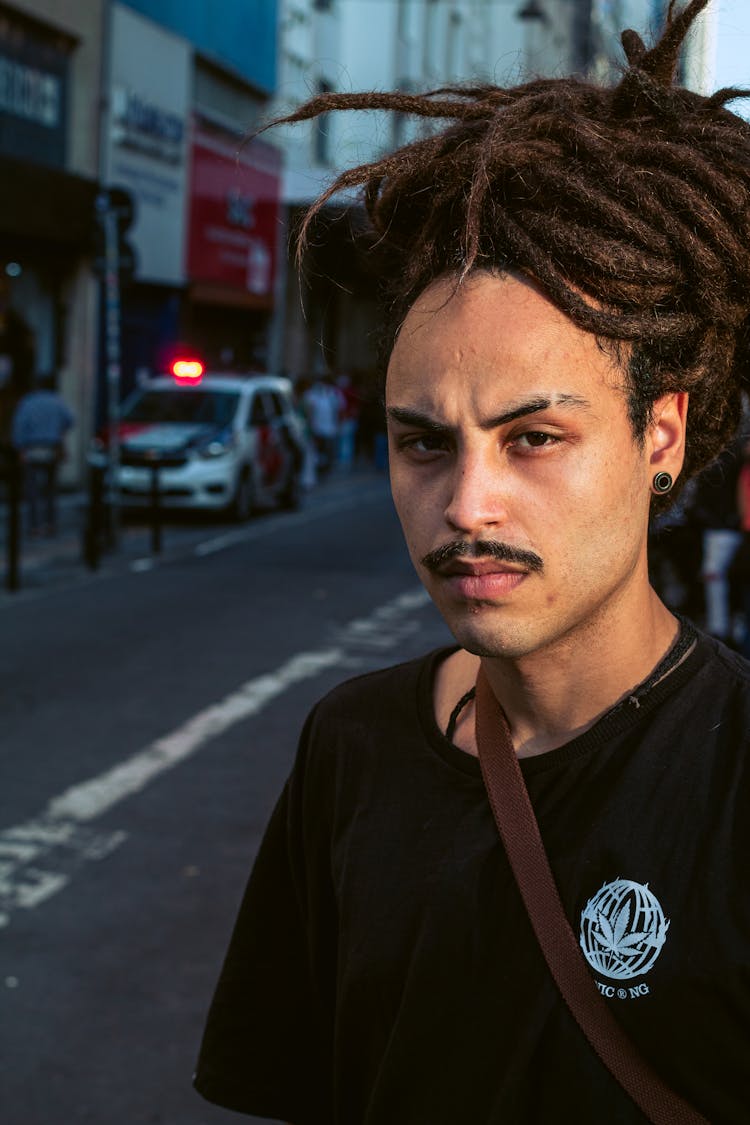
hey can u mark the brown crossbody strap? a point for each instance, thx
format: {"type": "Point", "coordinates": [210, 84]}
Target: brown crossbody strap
{"type": "Point", "coordinates": [523, 843]}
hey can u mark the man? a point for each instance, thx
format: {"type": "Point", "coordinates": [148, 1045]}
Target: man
{"type": "Point", "coordinates": [323, 403]}
{"type": "Point", "coordinates": [40, 424]}
{"type": "Point", "coordinates": [570, 266]}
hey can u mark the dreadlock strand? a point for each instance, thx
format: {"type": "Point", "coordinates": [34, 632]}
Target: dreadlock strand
{"type": "Point", "coordinates": [633, 46]}
{"type": "Point", "coordinates": [355, 177]}
{"type": "Point", "coordinates": [420, 105]}
{"type": "Point", "coordinates": [729, 196]}
{"type": "Point", "coordinates": [608, 261]}
{"type": "Point", "coordinates": [728, 94]}
{"type": "Point", "coordinates": [661, 61]}
{"type": "Point", "coordinates": [604, 210]}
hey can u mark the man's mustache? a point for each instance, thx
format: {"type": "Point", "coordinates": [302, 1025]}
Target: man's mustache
{"type": "Point", "coordinates": [482, 549]}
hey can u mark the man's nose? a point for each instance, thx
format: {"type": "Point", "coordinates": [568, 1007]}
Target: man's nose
{"type": "Point", "coordinates": [478, 497]}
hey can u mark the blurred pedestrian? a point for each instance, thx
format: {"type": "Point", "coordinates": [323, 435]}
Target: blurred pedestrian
{"type": "Point", "coordinates": [348, 422]}
{"type": "Point", "coordinates": [507, 882]}
{"type": "Point", "coordinates": [40, 424]}
{"type": "Point", "coordinates": [323, 406]}
{"type": "Point", "coordinates": [309, 475]}
{"type": "Point", "coordinates": [714, 510]}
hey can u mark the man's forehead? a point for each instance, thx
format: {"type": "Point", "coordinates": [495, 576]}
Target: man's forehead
{"type": "Point", "coordinates": [488, 309]}
{"type": "Point", "coordinates": [448, 293]}
{"type": "Point", "coordinates": [502, 329]}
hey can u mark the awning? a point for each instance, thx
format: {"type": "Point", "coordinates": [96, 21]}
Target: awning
{"type": "Point", "coordinates": [46, 203]}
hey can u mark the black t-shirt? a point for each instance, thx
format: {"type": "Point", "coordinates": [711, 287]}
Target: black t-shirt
{"type": "Point", "coordinates": [383, 970]}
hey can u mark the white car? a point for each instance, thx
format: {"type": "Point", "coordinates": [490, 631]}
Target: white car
{"type": "Point", "coordinates": [229, 442]}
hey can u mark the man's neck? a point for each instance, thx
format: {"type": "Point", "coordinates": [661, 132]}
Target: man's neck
{"type": "Point", "coordinates": [558, 692]}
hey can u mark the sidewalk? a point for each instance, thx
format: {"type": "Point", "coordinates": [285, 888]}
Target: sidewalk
{"type": "Point", "coordinates": [59, 559]}
{"type": "Point", "coordinates": [70, 513]}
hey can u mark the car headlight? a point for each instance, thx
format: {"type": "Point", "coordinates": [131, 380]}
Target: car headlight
{"type": "Point", "coordinates": [217, 448]}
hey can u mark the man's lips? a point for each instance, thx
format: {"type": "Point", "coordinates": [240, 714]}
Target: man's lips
{"type": "Point", "coordinates": [478, 567]}
{"type": "Point", "coordinates": [484, 570]}
{"type": "Point", "coordinates": [482, 580]}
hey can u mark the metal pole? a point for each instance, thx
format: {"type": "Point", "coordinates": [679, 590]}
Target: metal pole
{"type": "Point", "coordinates": [112, 336]}
{"type": "Point", "coordinates": [95, 516]}
{"type": "Point", "coordinates": [13, 574]}
{"type": "Point", "coordinates": [155, 509]}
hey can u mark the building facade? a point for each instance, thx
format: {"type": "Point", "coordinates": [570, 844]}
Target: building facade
{"type": "Point", "coordinates": [183, 90]}
{"type": "Point", "coordinates": [50, 67]}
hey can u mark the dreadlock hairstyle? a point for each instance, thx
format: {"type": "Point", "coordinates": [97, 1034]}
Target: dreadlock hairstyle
{"type": "Point", "coordinates": [629, 206]}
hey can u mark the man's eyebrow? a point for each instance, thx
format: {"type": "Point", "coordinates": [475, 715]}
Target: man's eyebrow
{"type": "Point", "coordinates": [415, 418]}
{"type": "Point", "coordinates": [529, 406]}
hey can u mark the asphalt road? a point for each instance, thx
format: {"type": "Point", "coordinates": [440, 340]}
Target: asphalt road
{"type": "Point", "coordinates": [149, 718]}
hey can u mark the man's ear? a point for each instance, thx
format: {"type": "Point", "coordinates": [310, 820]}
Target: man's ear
{"type": "Point", "coordinates": [666, 433]}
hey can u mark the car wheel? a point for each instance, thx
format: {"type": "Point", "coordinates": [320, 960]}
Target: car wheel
{"type": "Point", "coordinates": [243, 504]}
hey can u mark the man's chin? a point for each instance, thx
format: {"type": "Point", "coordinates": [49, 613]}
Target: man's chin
{"type": "Point", "coordinates": [510, 642]}
{"type": "Point", "coordinates": [490, 629]}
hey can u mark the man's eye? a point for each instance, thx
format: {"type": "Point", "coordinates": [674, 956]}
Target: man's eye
{"type": "Point", "coordinates": [424, 443]}
{"type": "Point", "coordinates": [535, 439]}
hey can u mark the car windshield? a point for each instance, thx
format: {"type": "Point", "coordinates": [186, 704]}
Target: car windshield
{"type": "Point", "coordinates": [210, 408]}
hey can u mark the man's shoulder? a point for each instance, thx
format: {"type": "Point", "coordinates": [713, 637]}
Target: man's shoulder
{"type": "Point", "coordinates": [724, 665]}
{"type": "Point", "coordinates": [370, 727]}
{"type": "Point", "coordinates": [719, 685]}
{"type": "Point", "coordinates": [380, 691]}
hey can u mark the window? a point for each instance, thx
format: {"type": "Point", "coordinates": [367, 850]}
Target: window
{"type": "Point", "coordinates": [259, 412]}
{"type": "Point", "coordinates": [454, 47]}
{"type": "Point", "coordinates": [278, 404]}
{"type": "Point", "coordinates": [212, 408]}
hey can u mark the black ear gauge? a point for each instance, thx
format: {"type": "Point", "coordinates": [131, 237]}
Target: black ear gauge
{"type": "Point", "coordinates": [662, 483]}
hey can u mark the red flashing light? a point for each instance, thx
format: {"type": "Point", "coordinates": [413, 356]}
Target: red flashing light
{"type": "Point", "coordinates": [188, 371]}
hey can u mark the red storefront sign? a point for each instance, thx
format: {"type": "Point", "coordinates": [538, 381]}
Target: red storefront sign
{"type": "Point", "coordinates": [235, 193]}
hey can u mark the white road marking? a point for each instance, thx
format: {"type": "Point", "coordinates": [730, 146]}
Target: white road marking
{"type": "Point", "coordinates": [87, 801]}
{"type": "Point", "coordinates": [39, 886]}
{"type": "Point", "coordinates": [61, 838]}
{"type": "Point", "coordinates": [61, 845]}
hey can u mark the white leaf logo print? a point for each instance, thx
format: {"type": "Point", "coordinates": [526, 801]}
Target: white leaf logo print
{"type": "Point", "coordinates": [623, 929]}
